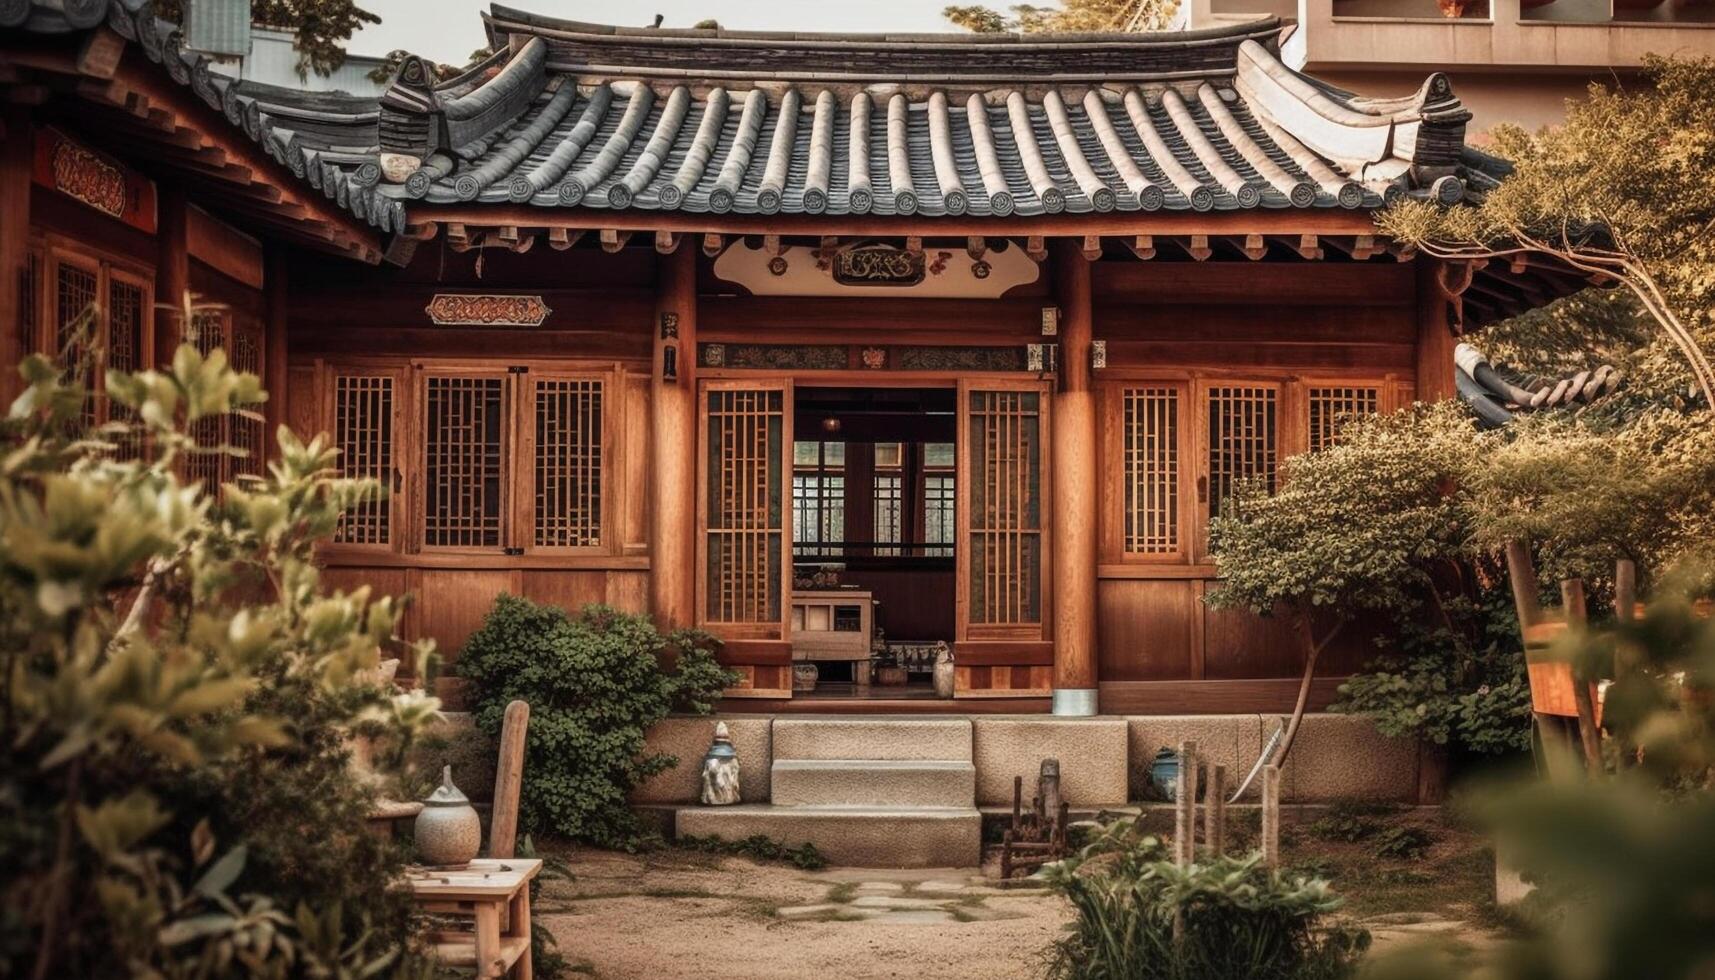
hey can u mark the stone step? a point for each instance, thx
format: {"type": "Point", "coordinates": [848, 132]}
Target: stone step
{"type": "Point", "coordinates": [854, 836]}
{"type": "Point", "coordinates": [874, 782]}
{"type": "Point", "coordinates": [943, 739]}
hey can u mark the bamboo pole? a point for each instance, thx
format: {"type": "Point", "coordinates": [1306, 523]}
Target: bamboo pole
{"type": "Point", "coordinates": [1215, 813]}
{"type": "Point", "coordinates": [1271, 816]}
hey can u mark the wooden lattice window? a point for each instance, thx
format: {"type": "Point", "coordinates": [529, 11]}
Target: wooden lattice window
{"type": "Point", "coordinates": [1243, 438]}
{"type": "Point", "coordinates": [1331, 407]}
{"type": "Point", "coordinates": [465, 437]}
{"type": "Point", "coordinates": [745, 514]}
{"type": "Point", "coordinates": [365, 409]}
{"type": "Point", "coordinates": [77, 287]}
{"type": "Point", "coordinates": [246, 431]}
{"type": "Point", "coordinates": [1004, 429]}
{"type": "Point", "coordinates": [117, 334]}
{"type": "Point", "coordinates": [209, 464]}
{"type": "Point", "coordinates": [566, 465]}
{"type": "Point", "coordinates": [1151, 460]}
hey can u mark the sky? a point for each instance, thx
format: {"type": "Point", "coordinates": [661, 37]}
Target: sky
{"type": "Point", "coordinates": [449, 30]}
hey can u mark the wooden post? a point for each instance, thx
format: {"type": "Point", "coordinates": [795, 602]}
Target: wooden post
{"type": "Point", "coordinates": [16, 152]}
{"type": "Point", "coordinates": [1589, 736]}
{"type": "Point", "coordinates": [1271, 816]}
{"type": "Point", "coordinates": [673, 443]}
{"type": "Point", "coordinates": [1625, 590]}
{"type": "Point", "coordinates": [1215, 813]}
{"type": "Point", "coordinates": [1434, 337]}
{"type": "Point", "coordinates": [1073, 450]}
{"type": "Point", "coordinates": [1527, 594]}
{"type": "Point", "coordinates": [1185, 806]}
{"type": "Point", "coordinates": [172, 272]}
{"type": "Point", "coordinates": [508, 781]}
{"type": "Point", "coordinates": [274, 297]}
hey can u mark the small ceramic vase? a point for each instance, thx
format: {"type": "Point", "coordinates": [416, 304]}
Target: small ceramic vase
{"type": "Point", "coordinates": [943, 675]}
{"type": "Point", "coordinates": [720, 770]}
{"type": "Point", "coordinates": [448, 831]}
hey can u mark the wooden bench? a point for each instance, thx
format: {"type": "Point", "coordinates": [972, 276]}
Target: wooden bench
{"type": "Point", "coordinates": [496, 894]}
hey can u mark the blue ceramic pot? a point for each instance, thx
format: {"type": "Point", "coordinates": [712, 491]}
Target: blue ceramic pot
{"type": "Point", "coordinates": [1164, 773]}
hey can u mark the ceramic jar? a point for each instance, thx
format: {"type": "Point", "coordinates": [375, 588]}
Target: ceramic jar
{"type": "Point", "coordinates": [448, 831]}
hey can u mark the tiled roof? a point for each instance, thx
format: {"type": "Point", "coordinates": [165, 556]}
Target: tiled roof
{"type": "Point", "coordinates": [578, 115]}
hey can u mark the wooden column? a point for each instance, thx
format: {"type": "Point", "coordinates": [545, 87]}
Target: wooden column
{"type": "Point", "coordinates": [1072, 531]}
{"type": "Point", "coordinates": [1435, 340]}
{"type": "Point", "coordinates": [16, 144]}
{"type": "Point", "coordinates": [172, 272]}
{"type": "Point", "coordinates": [274, 368]}
{"type": "Point", "coordinates": [673, 444]}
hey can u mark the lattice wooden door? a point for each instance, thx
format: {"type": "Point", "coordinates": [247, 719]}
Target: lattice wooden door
{"type": "Point", "coordinates": [466, 421]}
{"type": "Point", "coordinates": [564, 432]}
{"type": "Point", "coordinates": [368, 416]}
{"type": "Point", "coordinates": [1002, 507]}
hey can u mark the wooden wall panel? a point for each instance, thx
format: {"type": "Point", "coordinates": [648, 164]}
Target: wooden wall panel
{"type": "Point", "coordinates": [634, 465]}
{"type": "Point", "coordinates": [1241, 644]}
{"type": "Point", "coordinates": [1147, 629]}
{"type": "Point", "coordinates": [915, 604]}
{"type": "Point", "coordinates": [1382, 283]}
{"type": "Point", "coordinates": [570, 590]}
{"type": "Point", "coordinates": [454, 602]}
{"type": "Point", "coordinates": [303, 401]}
{"type": "Point", "coordinates": [381, 581]}
{"type": "Point", "coordinates": [628, 591]}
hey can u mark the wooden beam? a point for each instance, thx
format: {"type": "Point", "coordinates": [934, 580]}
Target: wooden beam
{"type": "Point", "coordinates": [1255, 247]}
{"type": "Point", "coordinates": [99, 54]}
{"type": "Point", "coordinates": [562, 239]}
{"type": "Point", "coordinates": [673, 443]}
{"type": "Point", "coordinates": [771, 245]}
{"type": "Point", "coordinates": [1092, 247]}
{"type": "Point", "coordinates": [1197, 246]}
{"type": "Point", "coordinates": [17, 159]}
{"type": "Point", "coordinates": [1036, 248]}
{"type": "Point", "coordinates": [1142, 246]}
{"type": "Point", "coordinates": [712, 244]}
{"type": "Point", "coordinates": [1434, 336]}
{"type": "Point", "coordinates": [613, 240]}
{"type": "Point", "coordinates": [172, 270]}
{"type": "Point", "coordinates": [275, 328]}
{"type": "Point", "coordinates": [667, 242]}
{"type": "Point", "coordinates": [976, 246]}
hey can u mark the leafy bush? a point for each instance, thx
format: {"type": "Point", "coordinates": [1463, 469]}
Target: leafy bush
{"type": "Point", "coordinates": [181, 695]}
{"type": "Point", "coordinates": [1234, 918]}
{"type": "Point", "coordinates": [596, 682]}
{"type": "Point", "coordinates": [760, 847]}
{"type": "Point", "coordinates": [1350, 821]}
{"type": "Point", "coordinates": [1405, 843]}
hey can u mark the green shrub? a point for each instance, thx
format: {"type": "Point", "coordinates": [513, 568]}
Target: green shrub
{"type": "Point", "coordinates": [1234, 917]}
{"type": "Point", "coordinates": [1407, 843]}
{"type": "Point", "coordinates": [596, 682]}
{"type": "Point", "coordinates": [1351, 821]}
{"type": "Point", "coordinates": [181, 697]}
{"type": "Point", "coordinates": [760, 847]}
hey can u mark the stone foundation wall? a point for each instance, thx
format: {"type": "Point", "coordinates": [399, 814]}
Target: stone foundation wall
{"type": "Point", "coordinates": [1104, 760]}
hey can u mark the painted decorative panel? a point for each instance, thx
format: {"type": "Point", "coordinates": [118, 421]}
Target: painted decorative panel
{"type": "Point", "coordinates": [486, 310]}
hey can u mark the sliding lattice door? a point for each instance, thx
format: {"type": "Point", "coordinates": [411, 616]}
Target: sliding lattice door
{"type": "Point", "coordinates": [1004, 497]}
{"type": "Point", "coordinates": [467, 428]}
{"type": "Point", "coordinates": [743, 519]}
{"type": "Point", "coordinates": [367, 416]}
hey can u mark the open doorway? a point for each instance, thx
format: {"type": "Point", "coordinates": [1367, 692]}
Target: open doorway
{"type": "Point", "coordinates": [873, 539]}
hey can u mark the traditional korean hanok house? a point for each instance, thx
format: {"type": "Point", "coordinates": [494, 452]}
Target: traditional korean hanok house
{"type": "Point", "coordinates": [849, 349]}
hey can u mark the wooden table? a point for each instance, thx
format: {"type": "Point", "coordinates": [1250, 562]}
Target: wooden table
{"type": "Point", "coordinates": [488, 890]}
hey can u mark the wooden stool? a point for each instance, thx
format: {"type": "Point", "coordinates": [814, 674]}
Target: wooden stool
{"type": "Point", "coordinates": [490, 891]}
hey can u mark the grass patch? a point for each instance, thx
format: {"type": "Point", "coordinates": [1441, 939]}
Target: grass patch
{"type": "Point", "coordinates": [843, 893]}
{"type": "Point", "coordinates": [758, 847]}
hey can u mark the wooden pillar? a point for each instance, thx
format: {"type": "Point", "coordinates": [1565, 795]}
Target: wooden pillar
{"type": "Point", "coordinates": [172, 272]}
{"type": "Point", "coordinates": [1072, 528]}
{"type": "Point", "coordinates": [1435, 340]}
{"type": "Point", "coordinates": [16, 144]}
{"type": "Point", "coordinates": [274, 284]}
{"type": "Point", "coordinates": [673, 443]}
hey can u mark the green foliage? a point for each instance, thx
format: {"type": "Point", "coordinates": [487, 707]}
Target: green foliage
{"type": "Point", "coordinates": [1458, 682]}
{"type": "Point", "coordinates": [759, 847]}
{"type": "Point", "coordinates": [1069, 16]}
{"type": "Point", "coordinates": [1359, 525]}
{"type": "Point", "coordinates": [1624, 866]}
{"type": "Point", "coordinates": [1404, 843]}
{"type": "Point", "coordinates": [596, 682]}
{"type": "Point", "coordinates": [320, 27]}
{"type": "Point", "coordinates": [1350, 821]}
{"type": "Point", "coordinates": [178, 696]}
{"type": "Point", "coordinates": [1235, 918]}
{"type": "Point", "coordinates": [1621, 187]}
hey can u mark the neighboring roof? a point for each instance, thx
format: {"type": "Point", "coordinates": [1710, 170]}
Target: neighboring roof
{"type": "Point", "coordinates": [578, 115]}
{"type": "Point", "coordinates": [1497, 394]}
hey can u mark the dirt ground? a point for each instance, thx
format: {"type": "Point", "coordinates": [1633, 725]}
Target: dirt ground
{"type": "Point", "coordinates": [674, 914]}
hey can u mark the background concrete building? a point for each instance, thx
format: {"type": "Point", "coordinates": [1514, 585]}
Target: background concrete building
{"type": "Point", "coordinates": [1516, 61]}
